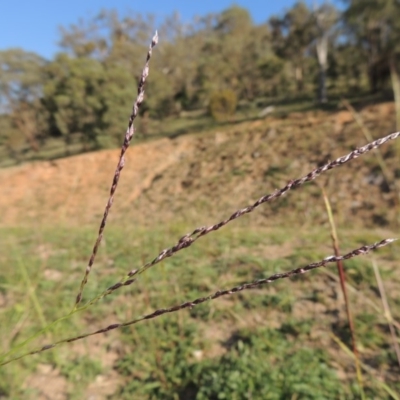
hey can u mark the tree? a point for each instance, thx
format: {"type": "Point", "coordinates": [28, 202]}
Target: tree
{"type": "Point", "coordinates": [73, 97]}
{"type": "Point", "coordinates": [373, 25]}
{"type": "Point", "coordinates": [291, 37]}
{"type": "Point", "coordinates": [21, 88]}
{"type": "Point", "coordinates": [231, 53]}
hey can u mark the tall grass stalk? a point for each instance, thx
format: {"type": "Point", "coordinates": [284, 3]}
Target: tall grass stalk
{"type": "Point", "coordinates": [188, 239]}
{"type": "Point", "coordinates": [121, 163]}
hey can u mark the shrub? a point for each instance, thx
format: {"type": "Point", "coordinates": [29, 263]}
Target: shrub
{"type": "Point", "coordinates": [223, 104]}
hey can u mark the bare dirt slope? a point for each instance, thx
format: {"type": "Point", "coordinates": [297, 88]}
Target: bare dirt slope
{"type": "Point", "coordinates": [215, 173]}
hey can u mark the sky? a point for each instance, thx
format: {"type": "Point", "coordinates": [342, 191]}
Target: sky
{"type": "Point", "coordinates": [34, 24]}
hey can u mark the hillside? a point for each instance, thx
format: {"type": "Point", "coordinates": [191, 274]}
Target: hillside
{"type": "Point", "coordinates": [210, 174]}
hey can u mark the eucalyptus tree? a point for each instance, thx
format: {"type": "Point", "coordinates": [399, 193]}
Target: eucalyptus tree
{"type": "Point", "coordinates": [292, 35]}
{"type": "Point", "coordinates": [21, 88]}
{"type": "Point", "coordinates": [233, 47]}
{"type": "Point", "coordinates": [374, 26]}
{"type": "Point", "coordinates": [72, 96]}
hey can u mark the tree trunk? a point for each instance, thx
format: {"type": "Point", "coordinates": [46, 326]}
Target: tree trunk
{"type": "Point", "coordinates": [322, 55]}
{"type": "Point", "coordinates": [298, 74]}
{"type": "Point", "coordinates": [323, 98]}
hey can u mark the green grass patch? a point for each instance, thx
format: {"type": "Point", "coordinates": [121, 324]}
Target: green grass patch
{"type": "Point", "coordinates": [265, 343]}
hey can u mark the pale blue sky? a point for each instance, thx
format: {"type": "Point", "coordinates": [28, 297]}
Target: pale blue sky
{"type": "Point", "coordinates": [33, 24]}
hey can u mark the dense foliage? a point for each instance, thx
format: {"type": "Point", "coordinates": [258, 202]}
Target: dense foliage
{"type": "Point", "coordinates": [84, 93]}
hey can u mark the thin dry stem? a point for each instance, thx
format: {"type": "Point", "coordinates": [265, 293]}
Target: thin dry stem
{"type": "Point", "coordinates": [342, 276]}
{"type": "Point", "coordinates": [128, 137]}
{"type": "Point", "coordinates": [190, 238]}
{"type": "Point", "coordinates": [189, 304]}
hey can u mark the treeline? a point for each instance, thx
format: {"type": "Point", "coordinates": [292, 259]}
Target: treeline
{"type": "Point", "coordinates": [86, 91]}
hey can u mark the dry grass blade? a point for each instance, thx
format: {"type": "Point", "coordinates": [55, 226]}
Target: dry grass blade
{"type": "Point", "coordinates": [366, 299]}
{"type": "Point", "coordinates": [366, 367]}
{"type": "Point", "coordinates": [386, 308]}
{"type": "Point", "coordinates": [189, 304]}
{"type": "Point", "coordinates": [128, 137]}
